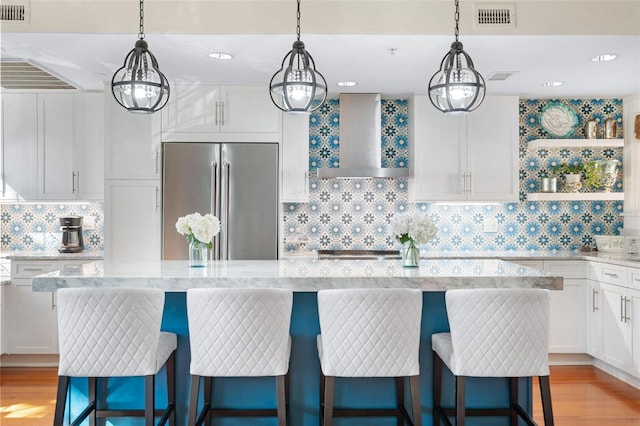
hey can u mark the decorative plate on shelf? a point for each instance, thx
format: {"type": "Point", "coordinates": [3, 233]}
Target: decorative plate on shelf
{"type": "Point", "coordinates": [558, 119]}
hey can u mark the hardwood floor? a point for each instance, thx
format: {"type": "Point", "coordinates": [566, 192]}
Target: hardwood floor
{"type": "Point", "coordinates": [582, 396]}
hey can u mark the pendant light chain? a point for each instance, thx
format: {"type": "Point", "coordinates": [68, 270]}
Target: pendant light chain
{"type": "Point", "coordinates": [139, 86]}
{"type": "Point", "coordinates": [141, 33]}
{"type": "Point", "coordinates": [457, 18]}
{"type": "Point", "coordinates": [297, 86]}
{"type": "Point", "coordinates": [298, 20]}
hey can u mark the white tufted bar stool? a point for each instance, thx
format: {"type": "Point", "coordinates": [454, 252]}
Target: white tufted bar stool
{"type": "Point", "coordinates": [494, 333]}
{"type": "Point", "coordinates": [114, 332]}
{"type": "Point", "coordinates": [370, 333]}
{"type": "Point", "coordinates": [238, 333]}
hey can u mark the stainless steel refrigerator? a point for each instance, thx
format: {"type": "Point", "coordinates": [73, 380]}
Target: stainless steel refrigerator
{"type": "Point", "coordinates": [237, 182]}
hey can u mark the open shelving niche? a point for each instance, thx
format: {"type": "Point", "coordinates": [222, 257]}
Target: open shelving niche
{"type": "Point", "coordinates": [574, 143]}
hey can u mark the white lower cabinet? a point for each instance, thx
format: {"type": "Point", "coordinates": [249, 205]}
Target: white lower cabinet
{"type": "Point", "coordinates": [616, 328]}
{"type": "Point", "coordinates": [619, 316]}
{"type": "Point", "coordinates": [567, 328]}
{"type": "Point", "coordinates": [132, 220]}
{"type": "Point", "coordinates": [31, 325]}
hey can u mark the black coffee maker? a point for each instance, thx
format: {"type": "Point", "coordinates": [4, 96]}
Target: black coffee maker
{"type": "Point", "coordinates": [71, 234]}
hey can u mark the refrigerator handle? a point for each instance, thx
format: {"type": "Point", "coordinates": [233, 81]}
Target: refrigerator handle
{"type": "Point", "coordinates": [214, 199]}
{"type": "Point", "coordinates": [227, 168]}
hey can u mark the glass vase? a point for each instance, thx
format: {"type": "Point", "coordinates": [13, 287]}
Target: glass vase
{"type": "Point", "coordinates": [198, 254]}
{"type": "Point", "coordinates": [410, 254]}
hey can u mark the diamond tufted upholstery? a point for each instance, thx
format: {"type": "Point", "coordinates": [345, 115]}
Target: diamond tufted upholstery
{"type": "Point", "coordinates": [113, 332]}
{"type": "Point", "coordinates": [107, 332]}
{"type": "Point", "coordinates": [494, 333]}
{"type": "Point", "coordinates": [238, 333]}
{"type": "Point", "coordinates": [370, 333]}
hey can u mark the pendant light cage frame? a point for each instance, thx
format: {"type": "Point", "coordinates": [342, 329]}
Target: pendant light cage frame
{"type": "Point", "coordinates": [139, 86]}
{"type": "Point", "coordinates": [297, 87]}
{"type": "Point", "coordinates": [457, 87]}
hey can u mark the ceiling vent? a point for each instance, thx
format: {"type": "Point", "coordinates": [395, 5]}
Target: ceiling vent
{"type": "Point", "coordinates": [26, 75]}
{"type": "Point", "coordinates": [500, 75]}
{"type": "Point", "coordinates": [495, 15]}
{"type": "Point", "coordinates": [16, 12]}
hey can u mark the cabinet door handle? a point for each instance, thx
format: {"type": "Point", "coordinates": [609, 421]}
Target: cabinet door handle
{"type": "Point", "coordinates": [627, 314]}
{"type": "Point", "coordinates": [157, 197]}
{"type": "Point", "coordinates": [611, 274]}
{"type": "Point", "coordinates": [222, 114]}
{"type": "Point", "coordinates": [594, 292]}
{"type": "Point", "coordinates": [157, 161]}
{"type": "Point", "coordinates": [73, 182]}
{"type": "Point", "coordinates": [217, 113]}
{"type": "Point", "coordinates": [53, 300]}
{"type": "Point", "coordinates": [33, 269]}
{"type": "Point", "coordinates": [622, 305]}
{"type": "Point", "coordinates": [306, 183]}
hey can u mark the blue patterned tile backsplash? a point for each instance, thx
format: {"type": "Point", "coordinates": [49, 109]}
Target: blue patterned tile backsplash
{"type": "Point", "coordinates": [35, 227]}
{"type": "Point", "coordinates": [355, 213]}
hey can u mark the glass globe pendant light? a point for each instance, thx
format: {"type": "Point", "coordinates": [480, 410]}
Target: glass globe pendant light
{"type": "Point", "coordinates": [457, 87]}
{"type": "Point", "coordinates": [297, 87]}
{"type": "Point", "coordinates": [140, 86]}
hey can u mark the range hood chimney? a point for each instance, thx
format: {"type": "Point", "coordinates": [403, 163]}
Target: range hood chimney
{"type": "Point", "coordinates": [361, 140]}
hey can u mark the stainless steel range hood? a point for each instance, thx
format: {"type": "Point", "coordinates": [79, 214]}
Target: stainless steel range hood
{"type": "Point", "coordinates": [361, 140]}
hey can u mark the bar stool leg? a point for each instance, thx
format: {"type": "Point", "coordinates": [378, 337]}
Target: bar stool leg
{"type": "Point", "coordinates": [437, 388]}
{"type": "Point", "coordinates": [513, 400]}
{"type": "Point", "coordinates": [415, 400]}
{"type": "Point", "coordinates": [61, 400]}
{"type": "Point", "coordinates": [460, 400]}
{"type": "Point", "coordinates": [93, 400]}
{"type": "Point", "coordinates": [400, 400]}
{"type": "Point", "coordinates": [193, 400]}
{"type": "Point", "coordinates": [208, 399]}
{"type": "Point", "coordinates": [328, 401]}
{"type": "Point", "coordinates": [281, 396]}
{"type": "Point", "coordinates": [150, 400]}
{"type": "Point", "coordinates": [171, 388]}
{"type": "Point", "coordinates": [545, 393]}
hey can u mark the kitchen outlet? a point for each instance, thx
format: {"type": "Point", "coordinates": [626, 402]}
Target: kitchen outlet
{"type": "Point", "coordinates": [490, 224]}
{"type": "Point", "coordinates": [89, 222]}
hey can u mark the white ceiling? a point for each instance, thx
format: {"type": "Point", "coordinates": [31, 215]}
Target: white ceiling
{"type": "Point", "coordinates": [88, 59]}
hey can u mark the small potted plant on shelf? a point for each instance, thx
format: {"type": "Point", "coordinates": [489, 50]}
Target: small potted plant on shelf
{"type": "Point", "coordinates": [572, 173]}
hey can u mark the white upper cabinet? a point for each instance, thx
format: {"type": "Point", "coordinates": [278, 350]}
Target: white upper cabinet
{"type": "Point", "coordinates": [132, 143]}
{"type": "Point", "coordinates": [90, 145]}
{"type": "Point", "coordinates": [19, 151]}
{"type": "Point", "coordinates": [295, 158]}
{"type": "Point", "coordinates": [472, 157]}
{"type": "Point", "coordinates": [132, 220]}
{"type": "Point", "coordinates": [57, 180]}
{"type": "Point", "coordinates": [215, 113]}
{"type": "Point", "coordinates": [51, 146]}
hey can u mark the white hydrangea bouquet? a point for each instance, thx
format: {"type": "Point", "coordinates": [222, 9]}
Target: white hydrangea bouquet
{"type": "Point", "coordinates": [199, 228]}
{"type": "Point", "coordinates": [411, 229]}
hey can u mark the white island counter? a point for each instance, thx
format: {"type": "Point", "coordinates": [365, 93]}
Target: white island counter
{"type": "Point", "coordinates": [302, 275]}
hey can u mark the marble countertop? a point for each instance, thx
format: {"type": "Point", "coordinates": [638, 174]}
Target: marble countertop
{"type": "Point", "coordinates": [301, 275]}
{"type": "Point", "coordinates": [52, 255]}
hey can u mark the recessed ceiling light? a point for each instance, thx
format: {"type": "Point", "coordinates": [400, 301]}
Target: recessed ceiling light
{"type": "Point", "coordinates": [347, 83]}
{"type": "Point", "coordinates": [552, 83]}
{"type": "Point", "coordinates": [221, 56]}
{"type": "Point", "coordinates": [604, 57]}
